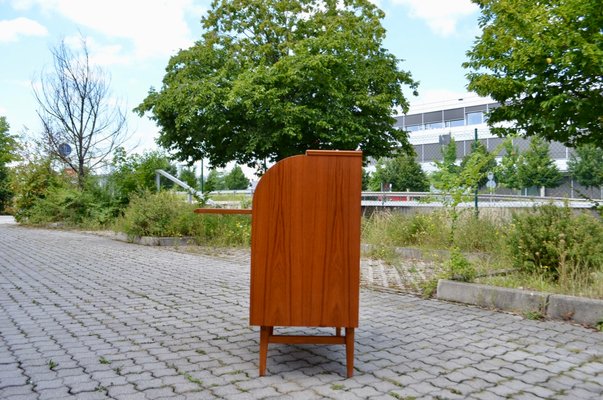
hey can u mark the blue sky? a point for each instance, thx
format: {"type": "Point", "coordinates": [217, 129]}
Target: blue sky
{"type": "Point", "coordinates": [133, 40]}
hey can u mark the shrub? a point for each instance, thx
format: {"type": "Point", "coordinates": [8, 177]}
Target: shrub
{"type": "Point", "coordinates": [460, 269]}
{"type": "Point", "coordinates": [552, 241]}
{"type": "Point", "coordinates": [165, 214]}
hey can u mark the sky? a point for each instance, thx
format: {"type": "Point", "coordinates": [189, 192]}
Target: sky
{"type": "Point", "coordinates": [133, 41]}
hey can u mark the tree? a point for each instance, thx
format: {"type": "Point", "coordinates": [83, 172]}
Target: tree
{"type": "Point", "coordinates": [506, 171]}
{"type": "Point", "coordinates": [488, 164]}
{"type": "Point", "coordinates": [446, 168]}
{"type": "Point", "coordinates": [272, 78]}
{"type": "Point", "coordinates": [587, 166]}
{"type": "Point", "coordinates": [8, 148]}
{"type": "Point", "coordinates": [135, 174]}
{"type": "Point", "coordinates": [403, 172]}
{"type": "Point", "coordinates": [236, 179]}
{"type": "Point", "coordinates": [543, 62]}
{"type": "Point", "coordinates": [536, 168]}
{"type": "Point", "coordinates": [76, 109]}
{"type": "Point", "coordinates": [214, 181]}
{"type": "Point", "coordinates": [187, 175]}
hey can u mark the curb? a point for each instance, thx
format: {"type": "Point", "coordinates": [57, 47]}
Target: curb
{"type": "Point", "coordinates": [153, 240]}
{"type": "Point", "coordinates": [551, 306]}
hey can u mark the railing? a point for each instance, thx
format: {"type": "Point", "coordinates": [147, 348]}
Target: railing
{"type": "Point", "coordinates": [189, 190]}
{"type": "Point", "coordinates": [429, 199]}
{"type": "Point", "coordinates": [413, 199]}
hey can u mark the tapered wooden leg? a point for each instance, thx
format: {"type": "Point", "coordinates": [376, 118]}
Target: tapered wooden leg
{"type": "Point", "coordinates": [349, 351]}
{"type": "Point", "coordinates": [265, 332]}
{"type": "Point", "coordinates": [337, 331]}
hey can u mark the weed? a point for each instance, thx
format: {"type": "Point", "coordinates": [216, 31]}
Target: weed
{"type": "Point", "coordinates": [201, 351]}
{"type": "Point", "coordinates": [599, 326]}
{"type": "Point", "coordinates": [101, 388]}
{"type": "Point", "coordinates": [103, 360]}
{"type": "Point", "coordinates": [533, 315]}
{"type": "Point", "coordinates": [337, 386]}
{"type": "Point", "coordinates": [117, 370]}
{"type": "Point", "coordinates": [52, 365]}
{"type": "Point", "coordinates": [192, 379]}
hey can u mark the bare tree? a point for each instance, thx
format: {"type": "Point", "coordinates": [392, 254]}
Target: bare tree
{"type": "Point", "coordinates": [76, 110]}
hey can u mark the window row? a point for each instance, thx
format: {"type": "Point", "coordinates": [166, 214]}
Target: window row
{"type": "Point", "coordinates": [471, 118]}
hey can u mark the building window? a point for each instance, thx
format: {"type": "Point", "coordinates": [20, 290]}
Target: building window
{"type": "Point", "coordinates": [455, 122]}
{"type": "Point", "coordinates": [413, 128]}
{"type": "Point", "coordinates": [474, 118]}
{"type": "Point", "coordinates": [434, 125]}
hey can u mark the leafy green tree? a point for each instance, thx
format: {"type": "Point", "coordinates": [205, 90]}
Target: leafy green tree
{"type": "Point", "coordinates": [272, 78]}
{"type": "Point", "coordinates": [536, 168]}
{"type": "Point", "coordinates": [187, 175]}
{"type": "Point", "coordinates": [488, 163]}
{"type": "Point", "coordinates": [506, 171]}
{"type": "Point", "coordinates": [8, 148]}
{"type": "Point", "coordinates": [214, 181]}
{"type": "Point", "coordinates": [236, 179]}
{"type": "Point", "coordinates": [543, 62]}
{"type": "Point", "coordinates": [587, 166]}
{"type": "Point", "coordinates": [135, 174]}
{"type": "Point", "coordinates": [403, 172]}
{"type": "Point", "coordinates": [447, 169]}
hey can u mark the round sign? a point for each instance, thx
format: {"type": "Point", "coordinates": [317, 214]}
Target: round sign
{"type": "Point", "coordinates": [491, 184]}
{"type": "Point", "coordinates": [64, 149]}
{"type": "Point", "coordinates": [490, 176]}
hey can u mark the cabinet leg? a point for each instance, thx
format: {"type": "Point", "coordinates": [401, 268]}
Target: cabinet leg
{"type": "Point", "coordinates": [265, 332]}
{"type": "Point", "coordinates": [349, 351]}
{"type": "Point", "coordinates": [337, 331]}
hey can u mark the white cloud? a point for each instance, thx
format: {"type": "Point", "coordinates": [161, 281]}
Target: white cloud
{"type": "Point", "coordinates": [155, 28]}
{"type": "Point", "coordinates": [11, 30]}
{"type": "Point", "coordinates": [440, 15]}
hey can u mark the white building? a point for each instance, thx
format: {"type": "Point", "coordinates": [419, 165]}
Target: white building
{"type": "Point", "coordinates": [430, 125]}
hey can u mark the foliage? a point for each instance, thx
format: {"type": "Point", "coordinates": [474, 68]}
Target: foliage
{"type": "Point", "coordinates": [403, 172]}
{"type": "Point", "coordinates": [506, 171]}
{"type": "Point", "coordinates": [487, 162]}
{"type": "Point", "coordinates": [76, 108]}
{"type": "Point", "coordinates": [553, 242]}
{"type": "Point", "coordinates": [236, 179]}
{"type": "Point", "coordinates": [586, 165]}
{"type": "Point", "coordinates": [542, 61]}
{"type": "Point", "coordinates": [430, 231]}
{"type": "Point", "coordinates": [135, 174]}
{"type": "Point", "coordinates": [89, 207]}
{"type": "Point", "coordinates": [536, 168]}
{"type": "Point", "coordinates": [272, 78]}
{"type": "Point", "coordinates": [459, 268]}
{"type": "Point", "coordinates": [187, 175]}
{"type": "Point", "coordinates": [8, 153]}
{"type": "Point", "coordinates": [447, 168]}
{"type": "Point", "coordinates": [214, 181]}
{"type": "Point", "coordinates": [366, 178]}
{"type": "Point", "coordinates": [31, 181]}
{"type": "Point", "coordinates": [164, 214]}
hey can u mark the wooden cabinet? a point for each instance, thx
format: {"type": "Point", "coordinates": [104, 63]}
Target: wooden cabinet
{"type": "Point", "coordinates": [305, 249]}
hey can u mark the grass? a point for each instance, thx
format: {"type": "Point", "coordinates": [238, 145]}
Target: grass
{"type": "Point", "coordinates": [485, 243]}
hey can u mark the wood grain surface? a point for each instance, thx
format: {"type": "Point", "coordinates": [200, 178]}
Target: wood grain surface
{"type": "Point", "coordinates": [305, 255]}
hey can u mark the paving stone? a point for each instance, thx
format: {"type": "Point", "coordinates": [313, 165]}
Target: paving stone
{"type": "Point", "coordinates": [158, 315]}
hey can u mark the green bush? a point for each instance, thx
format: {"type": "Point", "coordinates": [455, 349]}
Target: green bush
{"type": "Point", "coordinates": [554, 242]}
{"type": "Point", "coordinates": [460, 269]}
{"type": "Point", "coordinates": [90, 207]}
{"type": "Point", "coordinates": [165, 214]}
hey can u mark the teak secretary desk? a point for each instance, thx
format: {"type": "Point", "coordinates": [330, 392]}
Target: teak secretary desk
{"type": "Point", "coordinates": [305, 249]}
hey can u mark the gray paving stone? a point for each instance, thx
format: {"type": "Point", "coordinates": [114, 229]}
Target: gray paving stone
{"type": "Point", "coordinates": [158, 315]}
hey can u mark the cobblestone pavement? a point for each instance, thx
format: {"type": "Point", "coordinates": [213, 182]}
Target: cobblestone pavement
{"type": "Point", "coordinates": [87, 317]}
